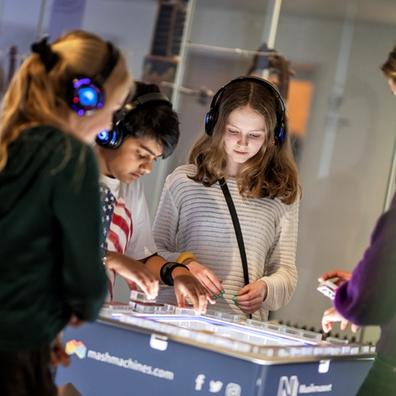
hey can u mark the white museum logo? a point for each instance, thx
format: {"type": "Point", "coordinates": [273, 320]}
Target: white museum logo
{"type": "Point", "coordinates": [290, 386]}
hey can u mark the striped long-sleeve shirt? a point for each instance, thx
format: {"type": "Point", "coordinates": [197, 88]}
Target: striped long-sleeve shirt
{"type": "Point", "coordinates": [192, 217]}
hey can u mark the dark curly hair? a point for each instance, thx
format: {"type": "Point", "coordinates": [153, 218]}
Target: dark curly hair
{"type": "Point", "coordinates": [154, 119]}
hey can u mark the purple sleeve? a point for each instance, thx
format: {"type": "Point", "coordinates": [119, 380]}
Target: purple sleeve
{"type": "Point", "coordinates": [369, 298]}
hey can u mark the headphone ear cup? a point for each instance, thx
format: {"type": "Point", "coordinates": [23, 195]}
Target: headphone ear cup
{"type": "Point", "coordinates": [210, 121]}
{"type": "Point", "coordinates": [280, 133]}
{"type": "Point", "coordinates": [110, 139]}
{"type": "Point", "coordinates": [85, 96]}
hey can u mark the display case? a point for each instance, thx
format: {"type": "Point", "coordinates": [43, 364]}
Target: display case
{"type": "Point", "coordinates": [155, 349]}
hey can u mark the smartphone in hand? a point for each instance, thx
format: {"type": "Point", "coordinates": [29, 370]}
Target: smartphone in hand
{"type": "Point", "coordinates": [328, 288]}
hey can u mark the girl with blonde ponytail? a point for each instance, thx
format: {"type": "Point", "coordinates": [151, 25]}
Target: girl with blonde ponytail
{"type": "Point", "coordinates": [50, 262]}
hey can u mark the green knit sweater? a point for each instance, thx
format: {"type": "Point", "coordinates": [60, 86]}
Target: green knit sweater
{"type": "Point", "coordinates": [50, 264]}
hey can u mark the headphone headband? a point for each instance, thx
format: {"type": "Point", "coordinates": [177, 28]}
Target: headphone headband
{"type": "Point", "coordinates": [148, 97]}
{"type": "Point", "coordinates": [113, 139]}
{"type": "Point", "coordinates": [140, 101]}
{"type": "Point", "coordinates": [213, 113]}
{"type": "Point", "coordinates": [111, 61]}
{"type": "Point", "coordinates": [257, 80]}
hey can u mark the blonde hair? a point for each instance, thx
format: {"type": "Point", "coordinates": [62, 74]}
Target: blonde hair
{"type": "Point", "coordinates": [272, 172]}
{"type": "Point", "coordinates": [37, 97]}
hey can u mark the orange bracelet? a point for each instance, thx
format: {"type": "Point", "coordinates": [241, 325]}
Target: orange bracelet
{"type": "Point", "coordinates": [185, 256]}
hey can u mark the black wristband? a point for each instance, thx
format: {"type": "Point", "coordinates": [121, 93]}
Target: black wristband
{"type": "Point", "coordinates": [166, 272]}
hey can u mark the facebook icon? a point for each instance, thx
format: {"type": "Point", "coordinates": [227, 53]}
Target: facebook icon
{"type": "Point", "coordinates": [199, 381]}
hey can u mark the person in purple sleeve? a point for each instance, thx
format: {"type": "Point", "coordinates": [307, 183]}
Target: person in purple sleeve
{"type": "Point", "coordinates": [367, 296]}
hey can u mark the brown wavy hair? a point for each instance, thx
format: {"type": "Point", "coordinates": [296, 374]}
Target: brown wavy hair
{"type": "Point", "coordinates": [272, 172]}
{"type": "Point", "coordinates": [389, 67]}
{"type": "Point", "coordinates": [37, 97]}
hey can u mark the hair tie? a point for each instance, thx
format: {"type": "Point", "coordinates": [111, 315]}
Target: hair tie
{"type": "Point", "coordinates": [47, 56]}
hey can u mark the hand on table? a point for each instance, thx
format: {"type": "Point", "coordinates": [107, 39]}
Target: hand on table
{"type": "Point", "coordinates": [250, 298]}
{"type": "Point", "coordinates": [187, 286]}
{"type": "Point", "coordinates": [330, 316]}
{"type": "Point", "coordinates": [134, 271]}
{"type": "Point", "coordinates": [208, 278]}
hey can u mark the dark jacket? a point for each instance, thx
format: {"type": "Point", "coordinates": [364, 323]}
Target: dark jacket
{"type": "Point", "coordinates": [369, 298]}
{"type": "Point", "coordinates": [50, 264]}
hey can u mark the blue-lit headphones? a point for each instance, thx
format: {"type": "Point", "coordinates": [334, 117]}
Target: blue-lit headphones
{"type": "Point", "coordinates": [84, 94]}
{"type": "Point", "coordinates": [280, 131]}
{"type": "Point", "coordinates": [113, 138]}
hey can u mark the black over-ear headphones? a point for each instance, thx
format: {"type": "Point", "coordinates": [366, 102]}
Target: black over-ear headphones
{"type": "Point", "coordinates": [113, 138]}
{"type": "Point", "coordinates": [280, 131]}
{"type": "Point", "coordinates": [84, 94]}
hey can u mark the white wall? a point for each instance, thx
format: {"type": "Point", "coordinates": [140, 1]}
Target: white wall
{"type": "Point", "coordinates": [339, 211]}
{"type": "Point", "coordinates": [16, 27]}
{"type": "Point", "coordinates": [130, 24]}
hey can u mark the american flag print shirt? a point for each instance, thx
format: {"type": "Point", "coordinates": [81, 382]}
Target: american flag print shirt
{"type": "Point", "coordinates": [117, 228]}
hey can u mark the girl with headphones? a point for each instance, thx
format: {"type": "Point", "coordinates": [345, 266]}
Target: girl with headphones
{"type": "Point", "coordinates": [231, 215]}
{"type": "Point", "coordinates": [51, 267]}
